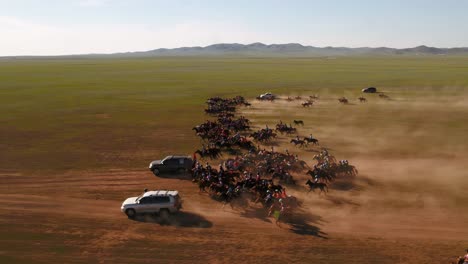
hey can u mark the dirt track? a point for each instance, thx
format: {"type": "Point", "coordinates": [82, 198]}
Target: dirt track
{"type": "Point", "coordinates": [398, 210]}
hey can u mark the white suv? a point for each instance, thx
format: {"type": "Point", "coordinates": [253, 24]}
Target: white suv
{"type": "Point", "coordinates": [162, 202]}
{"type": "Point", "coordinates": [267, 96]}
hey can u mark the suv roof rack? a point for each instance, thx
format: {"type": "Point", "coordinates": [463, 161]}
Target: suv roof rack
{"type": "Point", "coordinates": [161, 193]}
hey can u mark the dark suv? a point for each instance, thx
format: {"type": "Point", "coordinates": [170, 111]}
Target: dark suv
{"type": "Point", "coordinates": [169, 164]}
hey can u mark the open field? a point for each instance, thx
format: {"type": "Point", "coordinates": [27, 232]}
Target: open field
{"type": "Point", "coordinates": [77, 136]}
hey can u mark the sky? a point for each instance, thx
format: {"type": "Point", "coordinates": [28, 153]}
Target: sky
{"type": "Point", "coordinates": [58, 27]}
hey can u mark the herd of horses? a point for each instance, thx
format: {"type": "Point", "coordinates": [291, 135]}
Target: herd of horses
{"type": "Point", "coordinates": [254, 174]}
{"type": "Point", "coordinates": [311, 99]}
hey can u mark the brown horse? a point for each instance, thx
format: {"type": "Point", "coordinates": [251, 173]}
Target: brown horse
{"type": "Point", "coordinates": [307, 104]}
{"type": "Point", "coordinates": [298, 122]}
{"type": "Point", "coordinates": [362, 99]}
{"type": "Point", "coordinates": [343, 100]}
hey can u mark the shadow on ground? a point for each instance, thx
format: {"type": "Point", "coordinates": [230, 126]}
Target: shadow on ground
{"type": "Point", "coordinates": [300, 222]}
{"type": "Point", "coordinates": [181, 219]}
{"type": "Point", "coordinates": [305, 223]}
{"type": "Point", "coordinates": [179, 176]}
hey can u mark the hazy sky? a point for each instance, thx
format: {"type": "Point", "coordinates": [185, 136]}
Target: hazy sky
{"type": "Point", "coordinates": [51, 27]}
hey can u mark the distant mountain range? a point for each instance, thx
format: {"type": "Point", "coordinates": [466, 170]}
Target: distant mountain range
{"type": "Point", "coordinates": [288, 50]}
{"type": "Point", "coordinates": [292, 49]}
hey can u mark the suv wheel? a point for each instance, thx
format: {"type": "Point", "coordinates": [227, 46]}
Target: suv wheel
{"type": "Point", "coordinates": [130, 213]}
{"type": "Point", "coordinates": [156, 172]}
{"type": "Point", "coordinates": [164, 215]}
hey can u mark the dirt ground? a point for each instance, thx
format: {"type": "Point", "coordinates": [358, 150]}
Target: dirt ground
{"type": "Point", "coordinates": [407, 205]}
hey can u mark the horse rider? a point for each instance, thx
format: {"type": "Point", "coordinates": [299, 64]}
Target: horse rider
{"type": "Point", "coordinates": [465, 258]}
{"type": "Point", "coordinates": [203, 149]}
{"type": "Point", "coordinates": [311, 137]}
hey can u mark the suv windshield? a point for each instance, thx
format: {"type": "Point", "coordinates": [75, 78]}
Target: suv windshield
{"type": "Point", "coordinates": [166, 158]}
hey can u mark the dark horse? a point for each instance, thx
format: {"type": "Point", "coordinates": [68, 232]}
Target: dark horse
{"type": "Point", "coordinates": [212, 153]}
{"type": "Point", "coordinates": [343, 100]}
{"type": "Point", "coordinates": [314, 141]}
{"type": "Point", "coordinates": [296, 142]}
{"type": "Point", "coordinates": [317, 185]}
{"type": "Point", "coordinates": [298, 122]}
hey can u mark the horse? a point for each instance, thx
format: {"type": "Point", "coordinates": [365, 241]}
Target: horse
{"type": "Point", "coordinates": [314, 141]}
{"type": "Point", "coordinates": [313, 96]}
{"type": "Point", "coordinates": [384, 96]}
{"type": "Point", "coordinates": [299, 142]}
{"type": "Point", "coordinates": [321, 175]}
{"type": "Point", "coordinates": [317, 185]}
{"type": "Point", "coordinates": [307, 104]}
{"type": "Point", "coordinates": [343, 100]}
{"type": "Point", "coordinates": [284, 177]}
{"type": "Point", "coordinates": [213, 153]}
{"type": "Point", "coordinates": [362, 99]}
{"type": "Point", "coordinates": [202, 184]}
{"type": "Point", "coordinates": [298, 97]}
{"type": "Point", "coordinates": [298, 122]}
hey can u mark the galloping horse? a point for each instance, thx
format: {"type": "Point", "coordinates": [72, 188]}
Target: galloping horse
{"type": "Point", "coordinates": [307, 104]}
{"type": "Point", "coordinates": [343, 100]}
{"type": "Point", "coordinates": [298, 122]}
{"type": "Point", "coordinates": [317, 185]}
{"type": "Point", "coordinates": [314, 141]}
{"type": "Point", "coordinates": [299, 142]}
{"type": "Point", "coordinates": [362, 99]}
{"type": "Point", "coordinates": [212, 153]}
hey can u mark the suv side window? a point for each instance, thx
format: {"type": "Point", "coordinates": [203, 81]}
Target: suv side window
{"type": "Point", "coordinates": [162, 199]}
{"type": "Point", "coordinates": [171, 162]}
{"type": "Point", "coordinates": [145, 200]}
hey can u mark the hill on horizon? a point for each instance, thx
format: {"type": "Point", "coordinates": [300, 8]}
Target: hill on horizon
{"type": "Point", "coordinates": [289, 49]}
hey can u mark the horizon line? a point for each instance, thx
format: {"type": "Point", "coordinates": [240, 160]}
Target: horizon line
{"type": "Point", "coordinates": [237, 43]}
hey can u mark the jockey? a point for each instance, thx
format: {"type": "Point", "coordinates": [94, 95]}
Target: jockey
{"type": "Point", "coordinates": [208, 167]}
{"type": "Point", "coordinates": [297, 138]}
{"type": "Point", "coordinates": [276, 194]}
{"type": "Point", "coordinates": [283, 194]}
{"type": "Point", "coordinates": [466, 257]}
{"type": "Point", "coordinates": [257, 177]}
{"type": "Point", "coordinates": [311, 137]}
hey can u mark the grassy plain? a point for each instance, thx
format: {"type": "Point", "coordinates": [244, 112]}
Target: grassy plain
{"type": "Point", "coordinates": [72, 114]}
{"type": "Point", "coordinates": [76, 137]}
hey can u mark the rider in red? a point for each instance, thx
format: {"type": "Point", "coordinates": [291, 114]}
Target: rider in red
{"type": "Point", "coordinates": [283, 193]}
